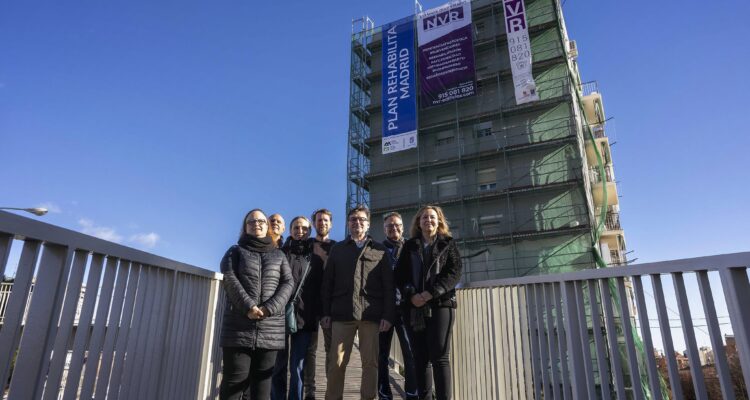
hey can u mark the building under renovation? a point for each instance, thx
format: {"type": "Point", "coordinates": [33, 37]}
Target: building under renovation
{"type": "Point", "coordinates": [528, 186]}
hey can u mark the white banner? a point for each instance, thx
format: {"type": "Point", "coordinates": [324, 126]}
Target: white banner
{"type": "Point", "coordinates": [519, 48]}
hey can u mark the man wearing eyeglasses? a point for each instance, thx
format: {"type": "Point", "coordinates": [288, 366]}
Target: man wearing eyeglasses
{"type": "Point", "coordinates": [358, 298]}
{"type": "Point", "coordinates": [393, 226]}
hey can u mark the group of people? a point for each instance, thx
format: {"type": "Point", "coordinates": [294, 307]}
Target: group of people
{"type": "Point", "coordinates": [280, 294]}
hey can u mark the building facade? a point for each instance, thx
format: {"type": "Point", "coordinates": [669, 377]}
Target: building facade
{"type": "Point", "coordinates": [528, 189]}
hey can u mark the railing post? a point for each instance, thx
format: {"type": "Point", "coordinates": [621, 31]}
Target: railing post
{"type": "Point", "coordinates": [720, 355]}
{"type": "Point", "coordinates": [5, 243]}
{"type": "Point", "coordinates": [688, 332]}
{"type": "Point", "coordinates": [31, 355]}
{"type": "Point", "coordinates": [578, 379]}
{"type": "Point", "coordinates": [11, 331]}
{"type": "Point", "coordinates": [737, 293]}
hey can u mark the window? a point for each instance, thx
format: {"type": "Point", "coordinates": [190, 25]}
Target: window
{"type": "Point", "coordinates": [483, 130]}
{"type": "Point", "coordinates": [478, 27]}
{"type": "Point", "coordinates": [455, 231]}
{"type": "Point", "coordinates": [444, 138]}
{"type": "Point", "coordinates": [489, 224]}
{"type": "Point", "coordinates": [447, 185]}
{"type": "Point", "coordinates": [486, 179]}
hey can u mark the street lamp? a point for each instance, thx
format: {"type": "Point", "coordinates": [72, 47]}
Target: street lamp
{"type": "Point", "coordinates": [38, 211]}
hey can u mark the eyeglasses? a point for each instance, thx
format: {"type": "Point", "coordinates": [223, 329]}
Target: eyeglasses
{"type": "Point", "coordinates": [394, 225]}
{"type": "Point", "coordinates": [257, 222]}
{"type": "Point", "coordinates": [358, 219]}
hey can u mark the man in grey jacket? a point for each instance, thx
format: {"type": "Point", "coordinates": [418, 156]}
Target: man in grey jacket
{"type": "Point", "coordinates": [357, 297]}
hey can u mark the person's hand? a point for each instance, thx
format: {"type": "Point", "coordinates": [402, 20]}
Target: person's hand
{"type": "Point", "coordinates": [255, 313]}
{"type": "Point", "coordinates": [384, 325]}
{"type": "Point", "coordinates": [264, 312]}
{"type": "Point", "coordinates": [325, 322]}
{"type": "Point", "coordinates": [426, 296]}
{"type": "Point", "coordinates": [417, 300]}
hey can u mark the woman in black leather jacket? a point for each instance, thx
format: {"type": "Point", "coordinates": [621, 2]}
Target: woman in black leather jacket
{"type": "Point", "coordinates": [258, 283]}
{"type": "Point", "coordinates": [427, 273]}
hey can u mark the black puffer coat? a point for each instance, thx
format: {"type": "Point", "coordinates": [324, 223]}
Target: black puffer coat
{"type": "Point", "coordinates": [438, 273]}
{"type": "Point", "coordinates": [255, 279]}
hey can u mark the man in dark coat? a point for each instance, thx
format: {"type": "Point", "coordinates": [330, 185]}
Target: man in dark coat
{"type": "Point", "coordinates": [323, 222]}
{"type": "Point", "coordinates": [393, 226]}
{"type": "Point", "coordinates": [358, 298]}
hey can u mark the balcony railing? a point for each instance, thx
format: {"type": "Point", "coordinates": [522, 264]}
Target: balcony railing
{"type": "Point", "coordinates": [573, 335]}
{"type": "Point", "coordinates": [617, 258]}
{"type": "Point", "coordinates": [598, 131]}
{"type": "Point", "coordinates": [589, 87]}
{"type": "Point", "coordinates": [612, 221]}
{"type": "Point", "coordinates": [143, 328]}
{"type": "Point", "coordinates": [596, 175]}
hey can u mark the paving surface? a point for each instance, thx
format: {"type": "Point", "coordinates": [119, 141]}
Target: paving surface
{"type": "Point", "coordinates": [353, 375]}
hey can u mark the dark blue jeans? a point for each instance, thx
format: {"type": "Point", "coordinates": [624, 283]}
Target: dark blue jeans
{"type": "Point", "coordinates": [299, 346]}
{"type": "Point", "coordinates": [291, 359]}
{"type": "Point", "coordinates": [384, 385]}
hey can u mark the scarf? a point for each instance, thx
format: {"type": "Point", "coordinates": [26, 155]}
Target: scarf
{"type": "Point", "coordinates": [298, 247]}
{"type": "Point", "coordinates": [256, 244]}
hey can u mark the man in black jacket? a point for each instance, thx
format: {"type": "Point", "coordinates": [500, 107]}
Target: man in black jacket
{"type": "Point", "coordinates": [323, 221]}
{"type": "Point", "coordinates": [358, 297]}
{"type": "Point", "coordinates": [393, 226]}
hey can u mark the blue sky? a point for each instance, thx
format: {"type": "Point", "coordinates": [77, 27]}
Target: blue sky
{"type": "Point", "coordinates": [158, 124]}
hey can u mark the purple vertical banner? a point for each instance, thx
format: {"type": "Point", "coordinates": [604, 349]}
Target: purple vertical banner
{"type": "Point", "coordinates": [446, 54]}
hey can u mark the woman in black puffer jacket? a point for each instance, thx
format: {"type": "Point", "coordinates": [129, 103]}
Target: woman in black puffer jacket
{"type": "Point", "coordinates": [258, 283]}
{"type": "Point", "coordinates": [427, 272]}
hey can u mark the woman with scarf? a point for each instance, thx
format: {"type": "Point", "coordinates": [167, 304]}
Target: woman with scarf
{"type": "Point", "coordinates": [258, 284]}
{"type": "Point", "coordinates": [427, 272]}
{"type": "Point", "coordinates": [306, 302]}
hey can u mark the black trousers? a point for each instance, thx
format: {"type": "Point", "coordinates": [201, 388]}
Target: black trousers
{"type": "Point", "coordinates": [247, 373]}
{"type": "Point", "coordinates": [433, 345]}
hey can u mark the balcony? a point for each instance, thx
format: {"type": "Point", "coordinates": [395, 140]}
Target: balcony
{"type": "Point", "coordinates": [151, 327]}
{"type": "Point", "coordinates": [612, 221]}
{"type": "Point", "coordinates": [593, 108]}
{"type": "Point", "coordinates": [598, 181]}
{"type": "Point", "coordinates": [600, 142]}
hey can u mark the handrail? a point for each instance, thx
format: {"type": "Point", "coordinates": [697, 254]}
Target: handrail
{"type": "Point", "coordinates": [22, 227]}
{"type": "Point", "coordinates": [705, 263]}
{"type": "Point", "coordinates": [140, 326]}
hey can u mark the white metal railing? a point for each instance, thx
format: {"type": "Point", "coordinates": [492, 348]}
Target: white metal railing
{"type": "Point", "coordinates": [152, 335]}
{"type": "Point", "coordinates": [575, 336]}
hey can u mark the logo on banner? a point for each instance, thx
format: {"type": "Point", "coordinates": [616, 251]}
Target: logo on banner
{"type": "Point", "coordinates": [443, 18]}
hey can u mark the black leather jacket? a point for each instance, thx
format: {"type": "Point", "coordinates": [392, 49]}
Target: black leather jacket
{"type": "Point", "coordinates": [438, 274]}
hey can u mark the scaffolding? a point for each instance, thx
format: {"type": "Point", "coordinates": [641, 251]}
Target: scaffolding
{"type": "Point", "coordinates": [525, 187]}
{"type": "Point", "coordinates": [530, 212]}
{"type": "Point", "coordinates": [358, 162]}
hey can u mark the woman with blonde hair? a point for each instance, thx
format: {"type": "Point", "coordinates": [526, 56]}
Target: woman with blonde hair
{"type": "Point", "coordinates": [427, 272]}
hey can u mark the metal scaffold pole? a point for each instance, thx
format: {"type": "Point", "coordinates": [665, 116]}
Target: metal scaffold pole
{"type": "Point", "coordinates": [358, 164]}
